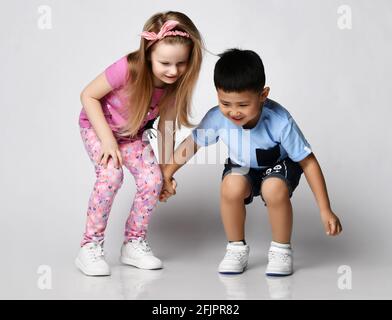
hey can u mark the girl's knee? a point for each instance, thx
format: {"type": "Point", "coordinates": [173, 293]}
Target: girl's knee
{"type": "Point", "coordinates": [274, 190]}
{"type": "Point", "coordinates": [158, 179]}
{"type": "Point", "coordinates": [150, 181]}
{"type": "Point", "coordinates": [112, 176]}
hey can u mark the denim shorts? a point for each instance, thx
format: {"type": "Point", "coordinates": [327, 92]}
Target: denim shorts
{"type": "Point", "coordinates": [286, 169]}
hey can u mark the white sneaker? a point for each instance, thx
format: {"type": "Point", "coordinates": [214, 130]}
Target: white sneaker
{"type": "Point", "coordinates": [91, 260]}
{"type": "Point", "coordinates": [280, 261]}
{"type": "Point", "coordinates": [236, 258]}
{"type": "Point", "coordinates": [138, 253]}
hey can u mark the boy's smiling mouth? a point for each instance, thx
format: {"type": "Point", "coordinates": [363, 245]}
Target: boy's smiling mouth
{"type": "Point", "coordinates": [236, 118]}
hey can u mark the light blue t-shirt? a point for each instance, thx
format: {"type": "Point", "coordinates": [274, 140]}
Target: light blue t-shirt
{"type": "Point", "coordinates": [275, 137]}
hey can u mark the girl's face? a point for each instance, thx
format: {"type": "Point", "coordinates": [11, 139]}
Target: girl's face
{"type": "Point", "coordinates": [169, 62]}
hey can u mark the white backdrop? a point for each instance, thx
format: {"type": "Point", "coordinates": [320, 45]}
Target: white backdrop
{"type": "Point", "coordinates": [334, 81]}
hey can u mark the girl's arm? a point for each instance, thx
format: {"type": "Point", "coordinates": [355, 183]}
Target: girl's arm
{"type": "Point", "coordinates": [166, 143]}
{"type": "Point", "coordinates": [166, 136]}
{"type": "Point", "coordinates": [185, 151]}
{"type": "Point", "coordinates": [316, 181]}
{"type": "Point", "coordinates": [90, 97]}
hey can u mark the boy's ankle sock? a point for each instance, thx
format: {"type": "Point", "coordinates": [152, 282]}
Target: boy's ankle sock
{"type": "Point", "coordinates": [238, 241]}
{"type": "Point", "coordinates": [281, 245]}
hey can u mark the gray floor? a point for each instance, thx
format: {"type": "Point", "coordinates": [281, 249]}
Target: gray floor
{"type": "Point", "coordinates": [193, 276]}
{"type": "Point", "coordinates": [191, 247]}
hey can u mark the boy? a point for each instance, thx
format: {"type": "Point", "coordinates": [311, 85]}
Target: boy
{"type": "Point", "coordinates": [276, 154]}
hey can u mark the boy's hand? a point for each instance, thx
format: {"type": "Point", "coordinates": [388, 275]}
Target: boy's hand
{"type": "Point", "coordinates": [168, 189]}
{"type": "Point", "coordinates": [331, 223]}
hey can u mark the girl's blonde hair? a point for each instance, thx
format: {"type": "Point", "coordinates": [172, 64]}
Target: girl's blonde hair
{"type": "Point", "coordinates": [140, 87]}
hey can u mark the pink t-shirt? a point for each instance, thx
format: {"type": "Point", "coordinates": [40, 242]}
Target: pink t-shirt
{"type": "Point", "coordinates": [113, 104]}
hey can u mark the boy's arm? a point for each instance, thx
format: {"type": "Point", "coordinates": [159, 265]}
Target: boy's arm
{"type": "Point", "coordinates": [185, 151]}
{"type": "Point", "coordinates": [316, 181]}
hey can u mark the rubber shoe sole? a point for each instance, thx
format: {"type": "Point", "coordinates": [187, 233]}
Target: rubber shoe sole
{"type": "Point", "coordinates": [135, 263]}
{"type": "Point", "coordinates": [82, 268]}
{"type": "Point", "coordinates": [223, 271]}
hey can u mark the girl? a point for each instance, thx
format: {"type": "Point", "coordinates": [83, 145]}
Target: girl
{"type": "Point", "coordinates": [118, 107]}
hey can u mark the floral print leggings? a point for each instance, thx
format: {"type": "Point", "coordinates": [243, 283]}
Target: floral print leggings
{"type": "Point", "coordinates": [138, 157]}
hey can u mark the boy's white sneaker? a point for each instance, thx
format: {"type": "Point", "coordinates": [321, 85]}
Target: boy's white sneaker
{"type": "Point", "coordinates": [280, 260]}
{"type": "Point", "coordinates": [138, 253]}
{"type": "Point", "coordinates": [236, 258]}
{"type": "Point", "coordinates": [91, 260]}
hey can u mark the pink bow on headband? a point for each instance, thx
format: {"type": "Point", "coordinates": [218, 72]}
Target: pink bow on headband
{"type": "Point", "coordinates": [164, 32]}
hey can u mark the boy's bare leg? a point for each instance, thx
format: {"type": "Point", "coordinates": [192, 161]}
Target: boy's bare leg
{"type": "Point", "coordinates": [234, 189]}
{"type": "Point", "coordinates": [276, 196]}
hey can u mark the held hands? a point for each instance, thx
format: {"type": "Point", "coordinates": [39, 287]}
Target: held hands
{"type": "Point", "coordinates": [109, 148]}
{"type": "Point", "coordinates": [168, 188]}
{"type": "Point", "coordinates": [331, 223]}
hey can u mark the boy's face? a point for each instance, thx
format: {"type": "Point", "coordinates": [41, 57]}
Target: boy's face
{"type": "Point", "coordinates": [242, 108]}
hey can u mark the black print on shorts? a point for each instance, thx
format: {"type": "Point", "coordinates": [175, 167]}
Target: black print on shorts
{"type": "Point", "coordinates": [277, 169]}
{"type": "Point", "coordinates": [268, 157]}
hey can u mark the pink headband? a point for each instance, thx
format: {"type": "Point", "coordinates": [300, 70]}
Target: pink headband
{"type": "Point", "coordinates": [164, 32]}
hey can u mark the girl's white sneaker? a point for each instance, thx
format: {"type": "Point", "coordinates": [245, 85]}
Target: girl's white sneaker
{"type": "Point", "coordinates": [138, 253]}
{"type": "Point", "coordinates": [91, 260]}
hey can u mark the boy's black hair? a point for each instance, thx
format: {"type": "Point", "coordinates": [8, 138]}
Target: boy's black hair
{"type": "Point", "coordinates": [239, 70]}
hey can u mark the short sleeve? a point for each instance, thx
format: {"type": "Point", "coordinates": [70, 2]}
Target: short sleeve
{"type": "Point", "coordinates": [117, 73]}
{"type": "Point", "coordinates": [294, 142]}
{"type": "Point", "coordinates": [206, 132]}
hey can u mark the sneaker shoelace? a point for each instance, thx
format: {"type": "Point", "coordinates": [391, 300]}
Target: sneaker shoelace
{"type": "Point", "coordinates": [142, 245]}
{"type": "Point", "coordinates": [236, 254]}
{"type": "Point", "coordinates": [96, 252]}
{"type": "Point", "coordinates": [279, 257]}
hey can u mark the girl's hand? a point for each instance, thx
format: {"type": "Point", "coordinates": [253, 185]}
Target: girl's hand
{"type": "Point", "coordinates": [109, 148]}
{"type": "Point", "coordinates": [331, 223]}
{"type": "Point", "coordinates": [168, 189]}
